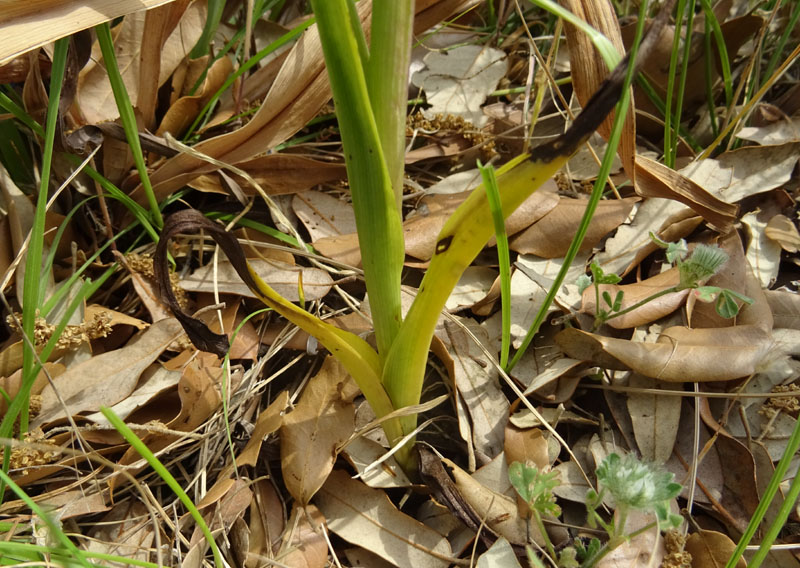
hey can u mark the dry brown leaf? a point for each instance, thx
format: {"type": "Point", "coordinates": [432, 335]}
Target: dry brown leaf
{"type": "Point", "coordinates": [323, 215]}
{"type": "Point", "coordinates": [365, 517]}
{"type": "Point", "coordinates": [313, 433]}
{"type": "Point", "coordinates": [499, 511]}
{"type": "Point", "coordinates": [679, 355]}
{"type": "Point", "coordinates": [94, 96]}
{"type": "Point", "coordinates": [763, 254]}
{"type": "Point", "coordinates": [655, 419]}
{"type": "Point", "coordinates": [121, 532]}
{"type": "Point", "coordinates": [785, 307]}
{"type": "Point", "coordinates": [551, 236]}
{"type": "Point", "coordinates": [109, 377]}
{"type": "Point", "coordinates": [182, 112]}
{"type": "Point", "coordinates": [633, 294]}
{"type": "Point", "coordinates": [283, 174]}
{"type": "Point", "coordinates": [266, 524]}
{"type": "Point", "coordinates": [283, 278]}
{"type": "Point", "coordinates": [304, 544]}
{"type": "Point", "coordinates": [268, 422]}
{"type": "Point", "coordinates": [711, 549]}
{"type": "Point", "coordinates": [27, 25]}
{"type": "Point", "coordinates": [657, 180]}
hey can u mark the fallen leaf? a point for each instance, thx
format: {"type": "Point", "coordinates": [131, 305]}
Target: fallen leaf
{"type": "Point", "coordinates": [362, 453]}
{"type": "Point", "coordinates": [323, 215]}
{"type": "Point", "coordinates": [365, 517]}
{"type": "Point", "coordinates": [267, 423]}
{"type": "Point", "coordinates": [474, 284]}
{"type": "Point", "coordinates": [109, 377]}
{"type": "Point", "coordinates": [781, 230]}
{"type": "Point", "coordinates": [711, 549]}
{"type": "Point", "coordinates": [304, 544]}
{"type": "Point", "coordinates": [283, 278]}
{"type": "Point", "coordinates": [633, 294]}
{"type": "Point", "coordinates": [313, 433]}
{"type": "Point", "coordinates": [655, 419]}
{"type": "Point", "coordinates": [458, 81]}
{"type": "Point", "coordinates": [551, 236]}
{"type": "Point", "coordinates": [763, 254]}
{"type": "Point", "coordinates": [499, 555]}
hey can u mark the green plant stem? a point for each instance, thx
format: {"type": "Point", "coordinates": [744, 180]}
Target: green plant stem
{"type": "Point", "coordinates": [543, 531]}
{"type": "Point", "coordinates": [781, 44]}
{"type": "Point", "coordinates": [127, 116]}
{"type": "Point", "coordinates": [719, 38]}
{"type": "Point", "coordinates": [378, 219]}
{"type": "Point", "coordinates": [687, 48]}
{"type": "Point", "coordinates": [387, 82]}
{"type": "Point", "coordinates": [778, 524]}
{"type": "Point", "coordinates": [766, 500]}
{"type": "Point", "coordinates": [25, 548]}
{"type": "Point", "coordinates": [597, 192]}
{"type": "Point", "coordinates": [159, 468]}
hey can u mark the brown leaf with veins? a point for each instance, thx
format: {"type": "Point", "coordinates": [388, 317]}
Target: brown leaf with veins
{"type": "Point", "coordinates": [313, 433]}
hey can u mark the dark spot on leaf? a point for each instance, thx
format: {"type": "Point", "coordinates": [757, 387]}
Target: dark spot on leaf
{"type": "Point", "coordinates": [444, 244]}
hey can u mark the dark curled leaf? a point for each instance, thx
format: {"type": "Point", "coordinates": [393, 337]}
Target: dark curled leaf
{"type": "Point", "coordinates": [191, 221]}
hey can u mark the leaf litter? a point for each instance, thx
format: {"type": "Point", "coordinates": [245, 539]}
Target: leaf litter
{"type": "Point", "coordinates": [270, 442]}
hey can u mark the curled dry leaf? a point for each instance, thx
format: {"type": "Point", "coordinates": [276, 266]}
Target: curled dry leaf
{"type": "Point", "coordinates": [267, 423]}
{"type": "Point", "coordinates": [783, 231]}
{"type": "Point", "coordinates": [657, 180]}
{"type": "Point", "coordinates": [633, 294]}
{"type": "Point", "coordinates": [313, 433]}
{"type": "Point", "coordinates": [365, 517]}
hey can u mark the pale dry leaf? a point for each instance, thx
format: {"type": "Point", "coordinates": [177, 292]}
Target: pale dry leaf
{"type": "Point", "coordinates": [323, 215]}
{"type": "Point", "coordinates": [530, 284]}
{"type": "Point", "coordinates": [267, 423]}
{"type": "Point", "coordinates": [458, 81]}
{"type": "Point", "coordinates": [477, 383]}
{"type": "Point", "coordinates": [655, 419]}
{"type": "Point", "coordinates": [763, 254]}
{"type": "Point", "coordinates": [362, 453]}
{"type": "Point", "coordinates": [75, 503]}
{"type": "Point", "coordinates": [121, 532]}
{"type": "Point", "coordinates": [458, 182]}
{"type": "Point", "coordinates": [710, 549]}
{"type": "Point", "coordinates": [572, 483]}
{"type": "Point", "coordinates": [285, 279]}
{"type": "Point", "coordinates": [734, 175]}
{"type": "Point", "coordinates": [632, 241]}
{"type": "Point", "coordinates": [107, 378]}
{"type": "Point", "coordinates": [499, 511]}
{"type": "Point", "coordinates": [781, 230]}
{"type": "Point", "coordinates": [643, 550]}
{"type": "Point", "coordinates": [785, 307]}
{"type": "Point", "coordinates": [559, 368]}
{"type": "Point", "coordinates": [499, 555]}
{"type": "Point", "coordinates": [474, 284]}
{"type": "Point", "coordinates": [774, 134]}
{"type": "Point", "coordinates": [365, 517]}
{"type": "Point", "coordinates": [28, 25]}
{"type": "Point", "coordinates": [313, 433]}
{"type": "Point", "coordinates": [154, 381]}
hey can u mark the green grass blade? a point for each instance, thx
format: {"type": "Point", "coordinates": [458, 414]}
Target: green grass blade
{"type": "Point", "coordinates": [682, 81]}
{"type": "Point", "coordinates": [213, 18]}
{"type": "Point", "coordinates": [503, 259]}
{"type": "Point", "coordinates": [55, 529]}
{"type": "Point", "coordinates": [20, 114]}
{"type": "Point", "coordinates": [33, 288]}
{"type": "Point", "coordinates": [33, 553]}
{"type": "Point", "coordinates": [162, 472]}
{"type": "Point", "coordinates": [127, 116]}
{"type": "Point", "coordinates": [781, 44]}
{"type": "Point", "coordinates": [670, 135]}
{"type": "Point", "coordinates": [719, 38]}
{"type": "Point", "coordinates": [377, 215]}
